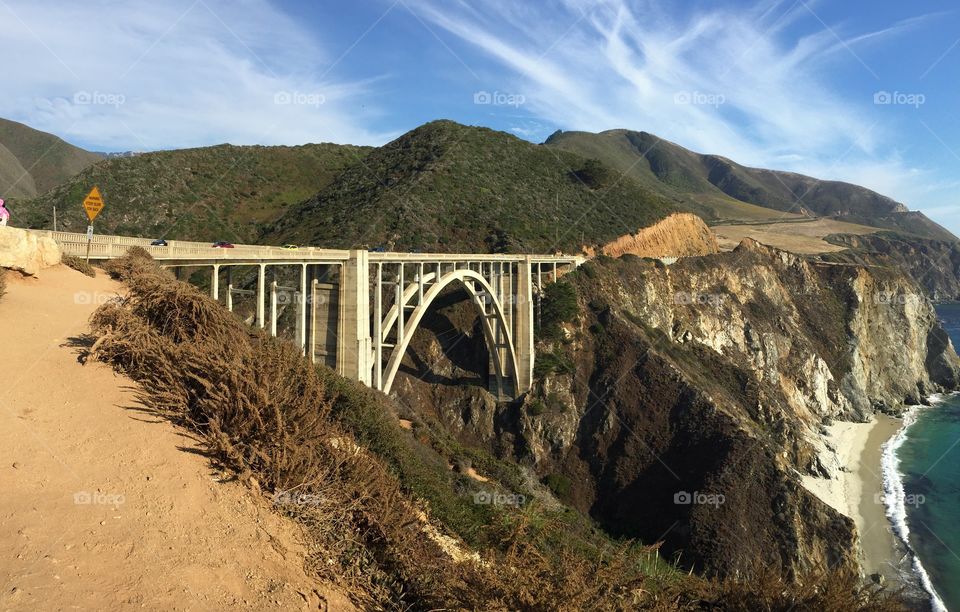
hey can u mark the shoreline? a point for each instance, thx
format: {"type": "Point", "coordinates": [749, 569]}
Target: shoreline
{"type": "Point", "coordinates": [856, 489]}
{"type": "Point", "coordinates": [880, 549]}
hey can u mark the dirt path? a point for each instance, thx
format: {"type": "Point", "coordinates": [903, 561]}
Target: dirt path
{"type": "Point", "coordinates": [103, 507]}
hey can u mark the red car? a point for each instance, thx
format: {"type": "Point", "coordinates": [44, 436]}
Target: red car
{"type": "Point", "coordinates": [222, 244]}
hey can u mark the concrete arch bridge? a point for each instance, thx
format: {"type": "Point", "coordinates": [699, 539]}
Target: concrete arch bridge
{"type": "Point", "coordinates": [357, 311]}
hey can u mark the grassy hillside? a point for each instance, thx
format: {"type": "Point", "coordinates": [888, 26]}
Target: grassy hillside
{"type": "Point", "coordinates": [445, 186]}
{"type": "Point", "coordinates": [32, 161]}
{"type": "Point", "coordinates": [222, 192]}
{"type": "Point", "coordinates": [722, 190]}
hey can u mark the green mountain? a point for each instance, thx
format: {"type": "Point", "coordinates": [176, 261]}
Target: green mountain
{"type": "Point", "coordinates": [719, 189]}
{"type": "Point", "coordinates": [32, 161]}
{"type": "Point", "coordinates": [222, 192]}
{"type": "Point", "coordinates": [445, 186]}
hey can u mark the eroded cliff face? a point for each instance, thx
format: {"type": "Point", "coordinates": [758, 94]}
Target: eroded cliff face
{"type": "Point", "coordinates": [693, 396]}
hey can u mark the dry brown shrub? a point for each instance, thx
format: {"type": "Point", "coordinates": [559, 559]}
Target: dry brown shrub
{"type": "Point", "coordinates": [136, 260]}
{"type": "Point", "coordinates": [79, 264]}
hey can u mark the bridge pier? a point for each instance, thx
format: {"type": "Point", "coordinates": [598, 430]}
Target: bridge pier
{"type": "Point", "coordinates": [302, 309]}
{"type": "Point", "coordinates": [523, 341]}
{"type": "Point", "coordinates": [353, 340]}
{"type": "Point", "coordinates": [261, 288]}
{"type": "Point", "coordinates": [230, 288]}
{"type": "Point", "coordinates": [215, 282]}
{"type": "Point", "coordinates": [273, 307]}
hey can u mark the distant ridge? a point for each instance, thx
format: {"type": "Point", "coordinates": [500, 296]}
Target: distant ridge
{"type": "Point", "coordinates": [32, 162]}
{"type": "Point", "coordinates": [719, 189]}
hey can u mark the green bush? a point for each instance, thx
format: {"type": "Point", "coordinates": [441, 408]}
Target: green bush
{"type": "Point", "coordinates": [536, 408]}
{"type": "Point", "coordinates": [552, 363]}
{"type": "Point", "coordinates": [558, 483]}
{"type": "Point", "coordinates": [557, 306]}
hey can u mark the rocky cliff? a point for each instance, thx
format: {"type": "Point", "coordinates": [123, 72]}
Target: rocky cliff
{"type": "Point", "coordinates": [683, 402]}
{"type": "Point", "coordinates": [934, 264]}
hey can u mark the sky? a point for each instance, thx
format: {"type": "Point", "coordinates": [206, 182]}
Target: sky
{"type": "Point", "coordinates": [857, 91]}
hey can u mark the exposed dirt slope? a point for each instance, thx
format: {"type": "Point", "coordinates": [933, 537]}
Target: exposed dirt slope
{"type": "Point", "coordinates": [679, 235]}
{"type": "Point", "coordinates": [159, 531]}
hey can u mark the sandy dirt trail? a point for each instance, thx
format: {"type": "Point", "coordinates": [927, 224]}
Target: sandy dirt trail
{"type": "Point", "coordinates": [103, 507]}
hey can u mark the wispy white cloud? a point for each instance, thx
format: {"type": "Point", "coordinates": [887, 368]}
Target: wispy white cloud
{"type": "Point", "coordinates": [148, 75]}
{"type": "Point", "coordinates": [717, 79]}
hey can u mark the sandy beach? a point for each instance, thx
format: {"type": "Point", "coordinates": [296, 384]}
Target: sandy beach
{"type": "Point", "coordinates": [856, 488]}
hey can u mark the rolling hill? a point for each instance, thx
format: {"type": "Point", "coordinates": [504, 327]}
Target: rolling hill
{"type": "Point", "coordinates": [445, 186]}
{"type": "Point", "coordinates": [32, 162]}
{"type": "Point", "coordinates": [721, 190]}
{"type": "Point", "coordinates": [223, 192]}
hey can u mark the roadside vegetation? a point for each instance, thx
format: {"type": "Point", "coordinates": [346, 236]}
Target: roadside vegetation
{"type": "Point", "coordinates": [388, 520]}
{"type": "Point", "coordinates": [79, 264]}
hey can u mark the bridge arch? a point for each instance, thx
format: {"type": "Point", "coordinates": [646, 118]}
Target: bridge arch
{"type": "Point", "coordinates": [494, 324]}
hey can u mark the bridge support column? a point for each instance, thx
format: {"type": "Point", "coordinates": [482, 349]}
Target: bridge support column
{"type": "Point", "coordinates": [215, 283]}
{"type": "Point", "coordinates": [354, 359]}
{"type": "Point", "coordinates": [261, 289]}
{"type": "Point", "coordinates": [302, 308]}
{"type": "Point", "coordinates": [273, 308]}
{"type": "Point", "coordinates": [524, 325]}
{"type": "Point", "coordinates": [230, 289]}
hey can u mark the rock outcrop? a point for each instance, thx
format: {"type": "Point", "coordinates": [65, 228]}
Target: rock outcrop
{"type": "Point", "coordinates": [26, 252]}
{"type": "Point", "coordinates": [679, 235]}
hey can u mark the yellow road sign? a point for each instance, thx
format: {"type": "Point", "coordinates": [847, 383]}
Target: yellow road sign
{"type": "Point", "coordinates": [93, 204]}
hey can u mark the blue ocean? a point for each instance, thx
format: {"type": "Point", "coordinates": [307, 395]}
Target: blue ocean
{"type": "Point", "coordinates": [922, 472]}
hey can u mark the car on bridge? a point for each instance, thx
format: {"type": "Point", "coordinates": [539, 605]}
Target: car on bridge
{"type": "Point", "coordinates": [159, 242]}
{"type": "Point", "coordinates": [222, 244]}
{"type": "Point", "coordinates": [290, 246]}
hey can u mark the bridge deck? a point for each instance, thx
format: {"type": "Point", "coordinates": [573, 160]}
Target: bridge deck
{"type": "Point", "coordinates": [184, 253]}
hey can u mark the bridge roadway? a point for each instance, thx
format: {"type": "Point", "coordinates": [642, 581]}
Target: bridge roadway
{"type": "Point", "coordinates": [357, 311]}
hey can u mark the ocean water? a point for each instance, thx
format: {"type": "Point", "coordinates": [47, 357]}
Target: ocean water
{"type": "Point", "coordinates": [922, 478]}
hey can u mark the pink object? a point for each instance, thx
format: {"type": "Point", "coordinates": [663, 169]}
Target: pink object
{"type": "Point", "coordinates": [4, 213]}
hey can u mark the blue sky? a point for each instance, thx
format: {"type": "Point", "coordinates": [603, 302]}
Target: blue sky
{"type": "Point", "coordinates": [854, 90]}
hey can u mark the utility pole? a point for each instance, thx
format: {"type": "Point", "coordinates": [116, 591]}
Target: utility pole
{"type": "Point", "coordinates": [54, 218]}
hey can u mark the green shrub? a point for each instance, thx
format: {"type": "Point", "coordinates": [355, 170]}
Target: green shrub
{"type": "Point", "coordinates": [558, 305]}
{"type": "Point", "coordinates": [536, 408]}
{"type": "Point", "coordinates": [558, 483]}
{"type": "Point", "coordinates": [553, 362]}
